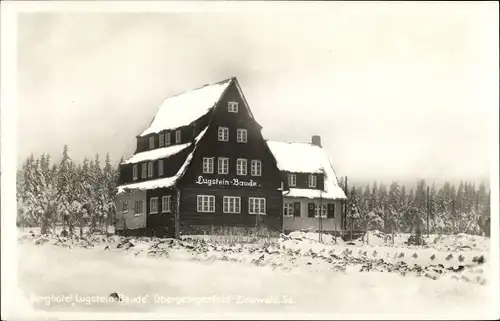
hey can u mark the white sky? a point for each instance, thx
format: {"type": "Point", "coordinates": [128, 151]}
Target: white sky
{"type": "Point", "coordinates": [396, 90]}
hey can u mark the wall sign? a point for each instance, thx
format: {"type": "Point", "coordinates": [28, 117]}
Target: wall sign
{"type": "Point", "coordinates": [226, 182]}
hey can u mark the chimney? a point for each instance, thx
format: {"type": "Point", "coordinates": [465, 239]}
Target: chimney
{"type": "Point", "coordinates": [316, 140]}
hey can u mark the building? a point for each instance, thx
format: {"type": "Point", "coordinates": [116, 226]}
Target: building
{"type": "Point", "coordinates": [201, 163]}
{"type": "Point", "coordinates": [314, 199]}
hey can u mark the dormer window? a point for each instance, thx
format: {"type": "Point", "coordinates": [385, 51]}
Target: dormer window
{"type": "Point", "coordinates": [151, 142]}
{"type": "Point", "coordinates": [135, 172]}
{"type": "Point", "coordinates": [168, 139]}
{"type": "Point", "coordinates": [150, 169]}
{"type": "Point", "coordinates": [232, 107]}
{"type": "Point", "coordinates": [177, 136]}
{"type": "Point", "coordinates": [292, 180]}
{"type": "Point", "coordinates": [312, 180]}
{"type": "Point", "coordinates": [161, 141]}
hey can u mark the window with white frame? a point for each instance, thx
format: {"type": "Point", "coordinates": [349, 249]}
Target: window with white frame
{"type": "Point", "coordinates": [150, 169]}
{"type": "Point", "coordinates": [153, 205]}
{"type": "Point", "coordinates": [138, 207]}
{"type": "Point", "coordinates": [232, 107]}
{"type": "Point", "coordinates": [135, 172]}
{"type": "Point", "coordinates": [231, 204]}
{"type": "Point", "coordinates": [320, 210]}
{"type": "Point", "coordinates": [208, 165]}
{"type": "Point", "coordinates": [206, 203]}
{"type": "Point", "coordinates": [288, 210]}
{"type": "Point", "coordinates": [168, 139]}
{"type": "Point", "coordinates": [144, 170]}
{"type": "Point", "coordinates": [257, 205]}
{"type": "Point", "coordinates": [256, 167]}
{"type": "Point", "coordinates": [177, 136]}
{"type": "Point", "coordinates": [241, 166]}
{"type": "Point", "coordinates": [124, 206]}
{"type": "Point", "coordinates": [160, 167]}
{"type": "Point", "coordinates": [292, 179]}
{"type": "Point", "coordinates": [241, 135]}
{"type": "Point", "coordinates": [166, 204]}
{"type": "Point", "coordinates": [151, 142]}
{"type": "Point", "coordinates": [223, 134]}
{"type": "Point", "coordinates": [161, 141]}
{"type": "Point", "coordinates": [312, 180]}
{"type": "Point", "coordinates": [223, 165]}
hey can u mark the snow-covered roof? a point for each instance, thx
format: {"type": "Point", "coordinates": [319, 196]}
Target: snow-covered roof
{"type": "Point", "coordinates": [307, 158]}
{"type": "Point", "coordinates": [183, 109]}
{"type": "Point", "coordinates": [164, 152]}
{"type": "Point", "coordinates": [165, 181]}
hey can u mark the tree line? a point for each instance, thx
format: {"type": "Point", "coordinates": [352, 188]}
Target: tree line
{"type": "Point", "coordinates": [448, 209]}
{"type": "Point", "coordinates": [77, 195]}
{"type": "Point", "coordinates": [69, 194]}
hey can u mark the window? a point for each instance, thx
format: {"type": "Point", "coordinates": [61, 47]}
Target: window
{"type": "Point", "coordinates": [241, 166]}
{"type": "Point", "coordinates": [223, 134]}
{"type": "Point", "coordinates": [150, 169]}
{"type": "Point", "coordinates": [162, 140]}
{"type": "Point", "coordinates": [151, 142]}
{"type": "Point", "coordinates": [232, 107]}
{"type": "Point", "coordinates": [135, 171]}
{"type": "Point", "coordinates": [166, 204]}
{"type": "Point", "coordinates": [144, 170]}
{"type": "Point", "coordinates": [241, 135]}
{"type": "Point", "coordinates": [223, 163]}
{"type": "Point", "coordinates": [292, 179]}
{"type": "Point", "coordinates": [160, 167]}
{"type": "Point", "coordinates": [125, 206]}
{"type": "Point", "coordinates": [288, 210]}
{"type": "Point", "coordinates": [153, 205]}
{"type": "Point", "coordinates": [168, 139]}
{"type": "Point", "coordinates": [208, 165]}
{"type": "Point", "coordinates": [206, 203]}
{"type": "Point", "coordinates": [320, 210]}
{"type": "Point", "coordinates": [232, 204]}
{"type": "Point", "coordinates": [177, 136]}
{"type": "Point", "coordinates": [257, 205]}
{"type": "Point", "coordinates": [256, 168]}
{"type": "Point", "coordinates": [312, 180]}
{"type": "Point", "coordinates": [138, 208]}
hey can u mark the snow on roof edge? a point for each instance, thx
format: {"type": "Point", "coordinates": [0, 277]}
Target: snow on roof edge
{"type": "Point", "coordinates": [185, 122]}
{"type": "Point", "coordinates": [167, 181]}
{"type": "Point", "coordinates": [305, 157]}
{"type": "Point", "coordinates": [164, 152]}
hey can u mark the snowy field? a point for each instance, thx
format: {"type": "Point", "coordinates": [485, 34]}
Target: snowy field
{"type": "Point", "coordinates": [295, 274]}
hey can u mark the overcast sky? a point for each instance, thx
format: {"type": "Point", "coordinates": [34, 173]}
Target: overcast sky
{"type": "Point", "coordinates": [396, 90]}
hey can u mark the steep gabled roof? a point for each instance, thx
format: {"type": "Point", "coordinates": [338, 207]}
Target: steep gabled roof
{"type": "Point", "coordinates": [307, 158]}
{"type": "Point", "coordinates": [183, 109]}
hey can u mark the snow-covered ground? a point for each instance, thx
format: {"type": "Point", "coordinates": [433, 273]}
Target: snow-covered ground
{"type": "Point", "coordinates": [296, 274]}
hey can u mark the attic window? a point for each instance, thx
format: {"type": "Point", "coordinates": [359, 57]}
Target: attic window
{"type": "Point", "coordinates": [177, 136]}
{"type": "Point", "coordinates": [241, 135]}
{"type": "Point", "coordinates": [292, 179]}
{"type": "Point", "coordinates": [223, 134]}
{"type": "Point", "coordinates": [312, 180]}
{"type": "Point", "coordinates": [161, 143]}
{"type": "Point", "coordinates": [151, 142]}
{"type": "Point", "coordinates": [168, 139]}
{"type": "Point", "coordinates": [232, 107]}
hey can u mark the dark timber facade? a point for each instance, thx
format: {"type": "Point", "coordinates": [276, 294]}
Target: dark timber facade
{"type": "Point", "coordinates": [215, 170]}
